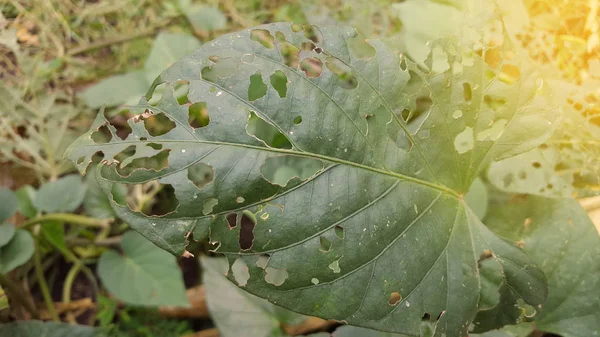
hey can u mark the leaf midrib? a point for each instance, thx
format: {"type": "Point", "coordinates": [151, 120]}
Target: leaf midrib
{"type": "Point", "coordinates": [396, 175]}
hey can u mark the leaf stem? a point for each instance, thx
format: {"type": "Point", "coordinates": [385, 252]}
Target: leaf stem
{"type": "Point", "coordinates": [68, 285]}
{"type": "Point", "coordinates": [39, 271]}
{"type": "Point", "coordinates": [19, 295]}
{"type": "Point", "coordinates": [69, 218]}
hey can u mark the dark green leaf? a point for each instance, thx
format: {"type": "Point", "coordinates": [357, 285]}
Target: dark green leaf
{"type": "Point", "coordinates": [96, 202]}
{"type": "Point", "coordinates": [143, 275]}
{"type": "Point", "coordinates": [54, 232]}
{"type": "Point", "coordinates": [559, 236]}
{"type": "Point", "coordinates": [8, 203]}
{"type": "Point", "coordinates": [233, 310]}
{"type": "Point", "coordinates": [47, 329]}
{"type": "Point", "coordinates": [62, 195]}
{"type": "Point", "coordinates": [25, 195]}
{"type": "Point", "coordinates": [18, 251]}
{"type": "Point", "coordinates": [385, 213]}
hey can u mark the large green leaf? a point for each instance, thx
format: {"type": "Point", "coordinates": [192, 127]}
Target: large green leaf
{"type": "Point", "coordinates": [16, 252]}
{"type": "Point", "coordinates": [143, 274]}
{"type": "Point", "coordinates": [7, 231]}
{"type": "Point", "coordinates": [380, 235]}
{"type": "Point", "coordinates": [8, 203]}
{"type": "Point", "coordinates": [47, 329]}
{"type": "Point", "coordinates": [233, 310]}
{"type": "Point", "coordinates": [559, 236]}
{"type": "Point", "coordinates": [62, 195]}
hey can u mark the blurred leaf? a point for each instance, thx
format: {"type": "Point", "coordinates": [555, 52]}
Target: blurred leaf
{"type": "Point", "coordinates": [233, 310]}
{"type": "Point", "coordinates": [18, 251]}
{"type": "Point", "coordinates": [204, 18]}
{"type": "Point", "coordinates": [62, 195]}
{"type": "Point", "coordinates": [25, 195]}
{"type": "Point", "coordinates": [8, 203]}
{"type": "Point", "coordinates": [561, 239]}
{"type": "Point", "coordinates": [107, 308]}
{"type": "Point", "coordinates": [7, 231]}
{"type": "Point", "coordinates": [47, 329]}
{"type": "Point", "coordinates": [166, 50]}
{"type": "Point", "coordinates": [116, 90]}
{"type": "Point", "coordinates": [54, 232]}
{"type": "Point", "coordinates": [535, 172]}
{"type": "Point", "coordinates": [96, 202]}
{"type": "Point", "coordinates": [477, 198]}
{"type": "Point", "coordinates": [143, 275]}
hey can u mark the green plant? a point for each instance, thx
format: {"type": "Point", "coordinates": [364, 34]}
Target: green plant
{"type": "Point", "coordinates": [378, 234]}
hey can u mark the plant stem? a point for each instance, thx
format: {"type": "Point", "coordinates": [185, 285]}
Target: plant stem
{"type": "Point", "coordinates": [18, 294]}
{"type": "Point", "coordinates": [69, 218]}
{"type": "Point", "coordinates": [112, 241]}
{"type": "Point", "coordinates": [115, 40]}
{"type": "Point", "coordinates": [37, 260]}
{"type": "Point", "coordinates": [68, 285]}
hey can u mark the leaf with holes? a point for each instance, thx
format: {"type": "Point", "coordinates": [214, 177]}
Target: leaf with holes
{"type": "Point", "coordinates": [370, 226]}
{"type": "Point", "coordinates": [560, 237]}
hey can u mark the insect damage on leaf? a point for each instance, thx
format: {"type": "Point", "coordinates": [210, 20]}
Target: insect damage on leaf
{"type": "Point", "coordinates": [334, 168]}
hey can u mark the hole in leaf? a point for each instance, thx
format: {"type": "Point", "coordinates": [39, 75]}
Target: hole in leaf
{"type": "Point", "coordinates": [395, 297]}
{"type": "Point", "coordinates": [281, 169]}
{"type": "Point", "coordinates": [314, 281]}
{"type": "Point", "coordinates": [279, 83]}
{"type": "Point", "coordinates": [221, 68]}
{"type": "Point", "coordinates": [339, 231]}
{"type": "Point", "coordinates": [297, 28]}
{"type": "Point", "coordinates": [298, 120]}
{"type": "Point", "coordinates": [509, 73]}
{"type": "Point", "coordinates": [275, 276]}
{"type": "Point", "coordinates": [240, 271]}
{"type": "Point", "coordinates": [494, 103]}
{"type": "Point", "coordinates": [263, 37]}
{"type": "Point", "coordinates": [266, 132]}
{"type": "Point", "coordinates": [312, 67]}
{"type": "Point", "coordinates": [231, 220]}
{"type": "Point", "coordinates": [508, 179]}
{"type": "Point", "coordinates": [158, 124]}
{"type": "Point", "coordinates": [335, 267]}
{"type": "Point", "coordinates": [80, 160]}
{"type": "Point", "coordinates": [200, 174]}
{"type": "Point", "coordinates": [536, 164]}
{"type": "Point", "coordinates": [155, 146]}
{"type": "Point", "coordinates": [360, 48]}
{"type": "Point", "coordinates": [158, 162]}
{"type": "Point", "coordinates": [307, 46]}
{"type": "Point", "coordinates": [313, 34]}
{"type": "Point", "coordinates": [208, 205]}
{"type": "Point", "coordinates": [198, 115]}
{"type": "Point", "coordinates": [291, 54]}
{"type": "Point", "coordinates": [262, 261]}
{"type": "Point", "coordinates": [549, 186]}
{"type": "Point", "coordinates": [325, 244]}
{"type": "Point", "coordinates": [257, 87]}
{"type": "Point", "coordinates": [248, 58]}
{"type": "Point", "coordinates": [164, 202]}
{"type": "Point", "coordinates": [247, 224]}
{"type": "Point", "coordinates": [240, 200]}
{"type": "Point", "coordinates": [467, 92]}
{"type": "Point", "coordinates": [347, 80]}
{"type": "Point", "coordinates": [102, 135]}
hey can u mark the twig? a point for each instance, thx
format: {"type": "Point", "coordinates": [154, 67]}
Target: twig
{"type": "Point", "coordinates": [116, 40]}
{"type": "Point", "coordinates": [17, 294]}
